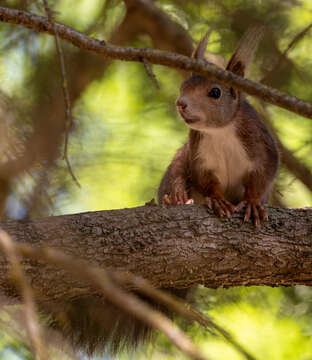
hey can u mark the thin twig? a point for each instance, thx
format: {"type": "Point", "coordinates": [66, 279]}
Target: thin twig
{"type": "Point", "coordinates": [68, 114]}
{"type": "Point", "coordinates": [69, 166]}
{"type": "Point", "coordinates": [177, 61]}
{"type": "Point", "coordinates": [150, 73]}
{"type": "Point", "coordinates": [101, 280]}
{"type": "Point", "coordinates": [39, 189]}
{"type": "Point", "coordinates": [32, 322]}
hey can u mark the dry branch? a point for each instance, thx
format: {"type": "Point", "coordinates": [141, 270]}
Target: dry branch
{"type": "Point", "coordinates": [31, 318]}
{"type": "Point", "coordinates": [101, 280]}
{"type": "Point", "coordinates": [150, 73]}
{"type": "Point", "coordinates": [176, 305]}
{"type": "Point", "coordinates": [289, 160]}
{"type": "Point", "coordinates": [283, 55]}
{"type": "Point", "coordinates": [41, 24]}
{"type": "Point", "coordinates": [299, 169]}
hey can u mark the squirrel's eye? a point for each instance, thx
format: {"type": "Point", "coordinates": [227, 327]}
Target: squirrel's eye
{"type": "Point", "coordinates": [214, 93]}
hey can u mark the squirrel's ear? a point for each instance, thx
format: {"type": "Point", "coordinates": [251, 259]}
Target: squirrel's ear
{"type": "Point", "coordinates": [199, 52]}
{"type": "Point", "coordinates": [245, 51]}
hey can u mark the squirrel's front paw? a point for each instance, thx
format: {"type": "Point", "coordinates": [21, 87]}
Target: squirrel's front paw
{"type": "Point", "coordinates": [220, 206]}
{"type": "Point", "coordinates": [253, 210]}
{"type": "Point", "coordinates": [177, 198]}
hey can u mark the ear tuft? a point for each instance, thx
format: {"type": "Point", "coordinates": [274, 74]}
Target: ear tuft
{"type": "Point", "coordinates": [238, 68]}
{"type": "Point", "coordinates": [245, 51]}
{"type": "Point", "coordinates": [199, 52]}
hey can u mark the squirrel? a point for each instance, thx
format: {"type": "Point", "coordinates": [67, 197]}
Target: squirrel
{"type": "Point", "coordinates": [230, 159]}
{"type": "Point", "coordinates": [228, 163]}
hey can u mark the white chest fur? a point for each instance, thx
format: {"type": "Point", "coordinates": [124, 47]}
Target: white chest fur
{"type": "Point", "coordinates": [221, 151]}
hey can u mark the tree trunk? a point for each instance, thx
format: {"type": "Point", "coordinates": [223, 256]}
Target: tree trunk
{"type": "Point", "coordinates": [172, 247]}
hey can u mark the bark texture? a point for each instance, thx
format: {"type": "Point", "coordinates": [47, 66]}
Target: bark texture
{"type": "Point", "coordinates": [172, 247]}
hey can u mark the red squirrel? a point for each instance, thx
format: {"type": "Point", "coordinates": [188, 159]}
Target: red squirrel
{"type": "Point", "coordinates": [230, 159]}
{"type": "Point", "coordinates": [228, 163]}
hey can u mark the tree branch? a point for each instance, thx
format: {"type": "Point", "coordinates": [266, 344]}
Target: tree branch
{"type": "Point", "coordinates": [283, 55]}
{"type": "Point", "coordinates": [41, 24]}
{"type": "Point", "coordinates": [166, 34]}
{"type": "Point", "coordinates": [295, 166]}
{"type": "Point", "coordinates": [174, 247]}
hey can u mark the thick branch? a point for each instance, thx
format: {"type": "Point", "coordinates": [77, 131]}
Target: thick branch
{"type": "Point", "coordinates": [78, 39]}
{"type": "Point", "coordinates": [174, 247]}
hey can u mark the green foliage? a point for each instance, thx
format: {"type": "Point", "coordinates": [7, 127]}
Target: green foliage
{"type": "Point", "coordinates": [127, 143]}
{"type": "Point", "coordinates": [268, 324]}
{"type": "Point", "coordinates": [126, 132]}
{"type": "Point", "coordinates": [12, 349]}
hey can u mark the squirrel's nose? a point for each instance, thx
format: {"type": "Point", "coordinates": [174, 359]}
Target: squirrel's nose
{"type": "Point", "coordinates": [181, 104]}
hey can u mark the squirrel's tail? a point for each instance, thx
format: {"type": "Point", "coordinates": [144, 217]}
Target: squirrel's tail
{"type": "Point", "coordinates": [96, 326]}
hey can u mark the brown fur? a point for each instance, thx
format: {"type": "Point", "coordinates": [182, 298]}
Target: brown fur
{"type": "Point", "coordinates": [95, 326]}
{"type": "Point", "coordinates": [185, 171]}
{"type": "Point", "coordinates": [230, 158]}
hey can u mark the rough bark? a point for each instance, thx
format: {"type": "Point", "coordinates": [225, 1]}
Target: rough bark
{"type": "Point", "coordinates": [171, 247]}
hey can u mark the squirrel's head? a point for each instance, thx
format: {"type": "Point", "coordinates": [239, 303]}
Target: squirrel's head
{"type": "Point", "coordinates": [204, 103]}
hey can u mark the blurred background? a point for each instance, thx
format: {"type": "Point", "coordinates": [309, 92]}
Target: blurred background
{"type": "Point", "coordinates": [125, 132]}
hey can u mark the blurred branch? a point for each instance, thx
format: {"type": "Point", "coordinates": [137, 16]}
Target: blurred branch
{"type": "Point", "coordinates": [4, 193]}
{"type": "Point", "coordinates": [78, 39]}
{"type": "Point", "coordinates": [32, 322]}
{"type": "Point", "coordinates": [99, 23]}
{"type": "Point", "coordinates": [176, 305]}
{"type": "Point", "coordinates": [283, 55]}
{"type": "Point", "coordinates": [101, 280]}
{"type": "Point", "coordinates": [150, 73]}
{"type": "Point", "coordinates": [45, 140]}
{"type": "Point", "coordinates": [294, 165]}
{"type": "Point", "coordinates": [291, 162]}
{"type": "Point", "coordinates": [13, 332]}
{"type": "Point", "coordinates": [49, 125]}
{"type": "Point", "coordinates": [68, 114]}
{"type": "Point", "coordinates": [166, 34]}
{"type": "Point", "coordinates": [275, 199]}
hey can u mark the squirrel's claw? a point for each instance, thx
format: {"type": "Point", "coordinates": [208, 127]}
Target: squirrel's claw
{"type": "Point", "coordinates": [221, 207]}
{"type": "Point", "coordinates": [177, 198]}
{"type": "Point", "coordinates": [253, 210]}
